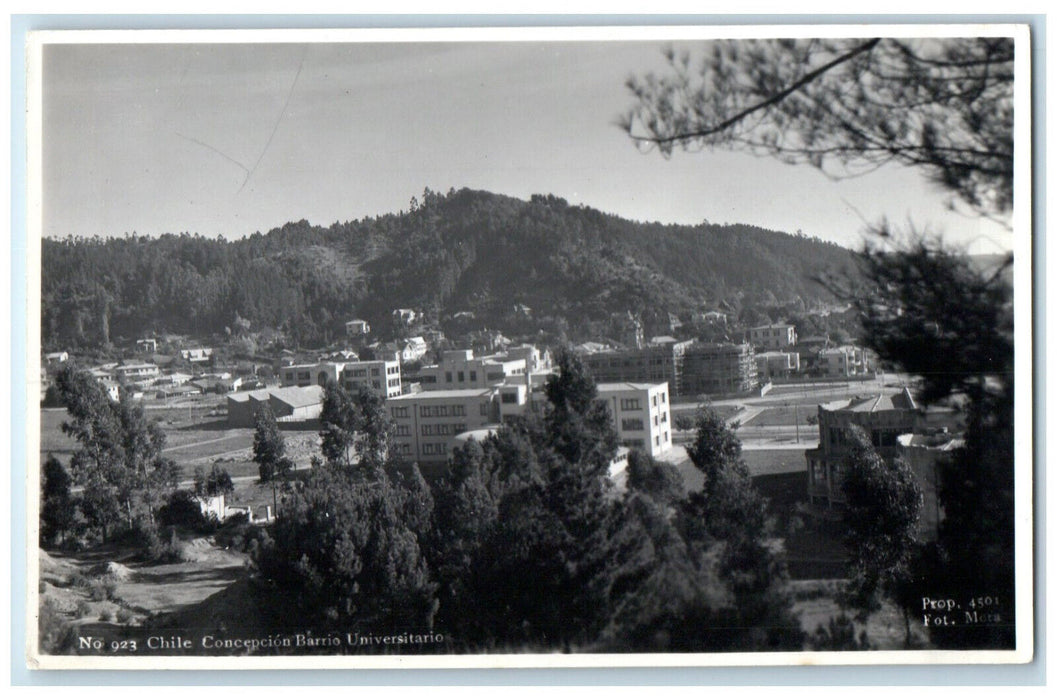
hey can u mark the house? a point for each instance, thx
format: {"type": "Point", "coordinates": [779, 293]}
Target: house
{"type": "Point", "coordinates": [147, 345]}
{"type": "Point", "coordinates": [709, 318]}
{"type": "Point", "coordinates": [412, 349]}
{"type": "Point", "coordinates": [843, 361]}
{"type": "Point", "coordinates": [136, 372]}
{"type": "Point", "coordinates": [357, 328]}
{"type": "Point", "coordinates": [112, 389]}
{"type": "Point", "coordinates": [775, 336]}
{"type": "Point", "coordinates": [405, 316]}
{"type": "Point", "coordinates": [56, 358]}
{"type": "Point", "coordinates": [777, 364]}
{"type": "Point", "coordinates": [197, 354]}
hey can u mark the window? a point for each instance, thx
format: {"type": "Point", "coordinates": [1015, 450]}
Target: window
{"type": "Point", "coordinates": [509, 397]}
{"type": "Point", "coordinates": [473, 375]}
{"type": "Point", "coordinates": [376, 385]}
{"type": "Point", "coordinates": [447, 377]}
{"type": "Point", "coordinates": [818, 472]}
{"type": "Point", "coordinates": [399, 411]}
{"type": "Point", "coordinates": [425, 411]}
{"type": "Point", "coordinates": [657, 441]}
{"type": "Point", "coordinates": [427, 448]}
{"type": "Point", "coordinates": [630, 405]}
{"type": "Point", "coordinates": [441, 411]}
{"type": "Point", "coordinates": [655, 421]}
{"type": "Point", "coordinates": [654, 397]}
{"type": "Point", "coordinates": [462, 377]}
{"type": "Point", "coordinates": [664, 417]}
{"type": "Point", "coordinates": [458, 428]}
{"type": "Point", "coordinates": [458, 410]}
{"type": "Point", "coordinates": [484, 409]}
{"type": "Point", "coordinates": [403, 430]}
{"type": "Point", "coordinates": [631, 424]}
{"type": "Point", "coordinates": [375, 372]}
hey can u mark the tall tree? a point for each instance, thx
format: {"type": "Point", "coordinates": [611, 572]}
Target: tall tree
{"type": "Point", "coordinates": [883, 504]}
{"type": "Point", "coordinates": [56, 501]}
{"type": "Point", "coordinates": [269, 447]}
{"type": "Point", "coordinates": [845, 106]}
{"type": "Point", "coordinates": [118, 462]}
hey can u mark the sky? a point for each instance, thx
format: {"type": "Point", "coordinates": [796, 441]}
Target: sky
{"type": "Point", "coordinates": [229, 139]}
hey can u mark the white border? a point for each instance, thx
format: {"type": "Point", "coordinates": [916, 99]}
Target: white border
{"type": "Point", "coordinates": [1023, 408]}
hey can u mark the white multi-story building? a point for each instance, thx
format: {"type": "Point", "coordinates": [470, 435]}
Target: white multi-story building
{"type": "Point", "coordinates": [357, 327]}
{"type": "Point", "coordinates": [136, 372]}
{"type": "Point", "coordinates": [459, 369]}
{"type": "Point", "coordinates": [777, 364]}
{"type": "Point", "coordinates": [426, 423]}
{"type": "Point", "coordinates": [776, 336]}
{"type": "Point", "coordinates": [845, 361]}
{"type": "Point", "coordinates": [383, 376]}
{"type": "Point", "coordinates": [641, 415]}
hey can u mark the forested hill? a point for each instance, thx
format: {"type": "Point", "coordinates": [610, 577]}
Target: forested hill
{"type": "Point", "coordinates": [464, 251]}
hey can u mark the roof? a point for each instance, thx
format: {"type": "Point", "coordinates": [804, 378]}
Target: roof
{"type": "Point", "coordinates": [444, 394]}
{"type": "Point", "coordinates": [298, 396]}
{"type": "Point", "coordinates": [902, 401]}
{"type": "Point", "coordinates": [244, 396]}
{"type": "Point", "coordinates": [629, 386]}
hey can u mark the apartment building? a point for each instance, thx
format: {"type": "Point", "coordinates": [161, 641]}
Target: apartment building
{"type": "Point", "coordinates": [775, 336]}
{"type": "Point", "coordinates": [641, 415]}
{"type": "Point", "coordinates": [652, 364]}
{"type": "Point", "coordinates": [459, 369]}
{"type": "Point", "coordinates": [777, 364]}
{"type": "Point", "coordinates": [426, 423]}
{"type": "Point", "coordinates": [843, 361]}
{"type": "Point", "coordinates": [383, 376]}
{"type": "Point", "coordinates": [718, 369]}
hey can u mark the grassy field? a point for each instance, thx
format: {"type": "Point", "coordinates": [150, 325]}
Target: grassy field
{"type": "Point", "coordinates": [803, 414]}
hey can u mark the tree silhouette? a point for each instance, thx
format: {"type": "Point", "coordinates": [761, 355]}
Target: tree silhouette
{"type": "Point", "coordinates": [845, 106]}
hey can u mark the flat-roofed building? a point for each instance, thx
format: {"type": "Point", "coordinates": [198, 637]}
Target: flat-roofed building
{"type": "Point", "coordinates": [718, 368]}
{"type": "Point", "coordinates": [641, 415]}
{"type": "Point", "coordinates": [383, 376]}
{"type": "Point", "coordinates": [777, 364]}
{"type": "Point", "coordinates": [843, 361]}
{"type": "Point", "coordinates": [136, 372]}
{"type": "Point", "coordinates": [774, 336]}
{"type": "Point", "coordinates": [460, 369]}
{"type": "Point", "coordinates": [652, 363]}
{"type": "Point", "coordinates": [426, 423]}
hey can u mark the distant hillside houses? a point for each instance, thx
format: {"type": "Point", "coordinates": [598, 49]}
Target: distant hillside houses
{"type": "Point", "coordinates": [197, 354]}
{"type": "Point", "coordinates": [356, 328]}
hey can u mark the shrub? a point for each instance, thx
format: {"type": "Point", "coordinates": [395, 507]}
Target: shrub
{"type": "Point", "coordinates": [102, 589]}
{"type": "Point", "coordinates": [83, 608]}
{"type": "Point", "coordinates": [124, 615]}
{"type": "Point", "coordinates": [55, 633]}
{"type": "Point", "coordinates": [104, 616]}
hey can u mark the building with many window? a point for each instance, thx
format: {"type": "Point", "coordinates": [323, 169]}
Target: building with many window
{"type": "Point", "coordinates": [651, 363]}
{"type": "Point", "coordinates": [718, 369]}
{"type": "Point", "coordinates": [426, 423]}
{"type": "Point", "coordinates": [843, 361]}
{"type": "Point", "coordinates": [641, 415]}
{"type": "Point", "coordinates": [383, 376]}
{"type": "Point", "coordinates": [774, 336]}
{"type": "Point", "coordinates": [460, 369]}
{"type": "Point", "coordinates": [777, 364]}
